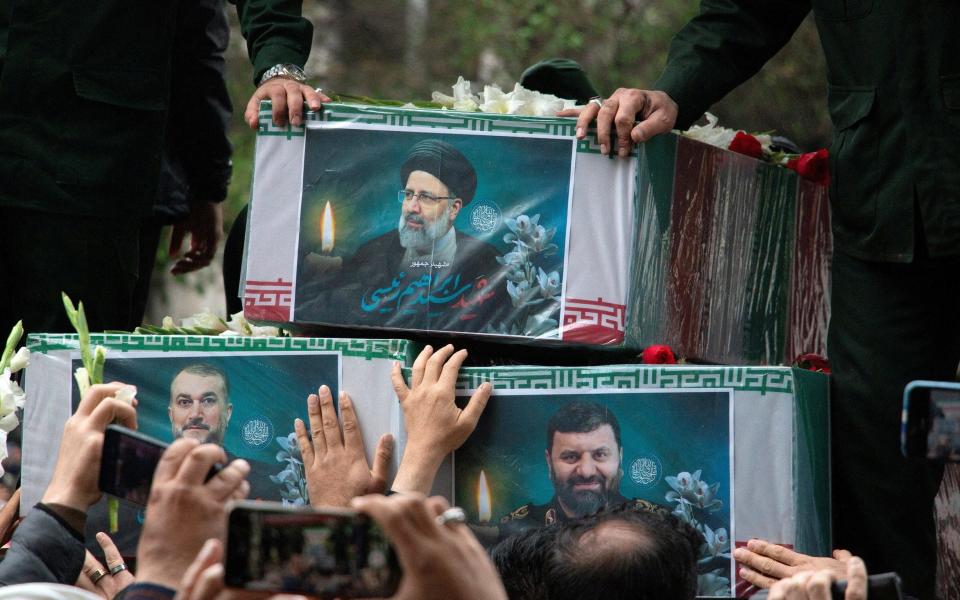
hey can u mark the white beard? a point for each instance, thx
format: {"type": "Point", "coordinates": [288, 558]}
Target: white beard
{"type": "Point", "coordinates": [423, 239]}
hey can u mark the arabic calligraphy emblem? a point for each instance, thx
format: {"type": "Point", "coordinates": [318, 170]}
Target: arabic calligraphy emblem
{"type": "Point", "coordinates": [257, 432]}
{"type": "Point", "coordinates": [485, 217]}
{"type": "Point", "coordinates": [645, 470]}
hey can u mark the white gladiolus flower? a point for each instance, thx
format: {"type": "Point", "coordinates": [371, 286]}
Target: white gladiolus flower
{"type": "Point", "coordinates": [442, 99]}
{"type": "Point", "coordinates": [83, 380]}
{"type": "Point", "coordinates": [206, 320]}
{"type": "Point", "coordinates": [167, 322]}
{"type": "Point", "coordinates": [11, 396]}
{"type": "Point", "coordinates": [20, 360]}
{"type": "Point", "coordinates": [495, 101]}
{"type": "Point", "coordinates": [463, 97]}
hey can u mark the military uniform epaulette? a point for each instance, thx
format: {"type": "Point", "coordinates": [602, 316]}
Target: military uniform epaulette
{"type": "Point", "coordinates": [638, 505]}
{"type": "Point", "coordinates": [520, 513]}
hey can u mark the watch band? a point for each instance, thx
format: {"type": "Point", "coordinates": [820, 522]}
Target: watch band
{"type": "Point", "coordinates": [287, 71]}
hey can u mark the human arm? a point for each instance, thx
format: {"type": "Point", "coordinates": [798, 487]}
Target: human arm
{"type": "Point", "coordinates": [184, 510]}
{"type": "Point", "coordinates": [276, 33]}
{"type": "Point", "coordinates": [434, 424]}
{"type": "Point", "coordinates": [725, 44]}
{"type": "Point", "coordinates": [815, 585]}
{"type": "Point", "coordinates": [763, 563]}
{"type": "Point", "coordinates": [334, 461]}
{"type": "Point", "coordinates": [48, 545]}
{"type": "Point", "coordinates": [439, 561]}
{"type": "Point", "coordinates": [197, 147]}
{"type": "Point", "coordinates": [92, 577]}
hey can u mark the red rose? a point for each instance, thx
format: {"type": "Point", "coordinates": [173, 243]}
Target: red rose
{"type": "Point", "coordinates": [744, 143]}
{"type": "Point", "coordinates": [813, 362]}
{"type": "Point", "coordinates": [659, 355]}
{"type": "Point", "coordinates": [814, 166]}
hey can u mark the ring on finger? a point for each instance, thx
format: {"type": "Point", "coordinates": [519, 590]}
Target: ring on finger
{"type": "Point", "coordinates": [598, 100]}
{"type": "Point", "coordinates": [96, 575]}
{"type": "Point", "coordinates": [454, 514]}
{"type": "Point", "coordinates": [117, 568]}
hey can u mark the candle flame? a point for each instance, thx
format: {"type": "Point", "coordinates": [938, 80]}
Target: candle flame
{"type": "Point", "coordinates": [483, 498]}
{"type": "Point", "coordinates": [327, 229]}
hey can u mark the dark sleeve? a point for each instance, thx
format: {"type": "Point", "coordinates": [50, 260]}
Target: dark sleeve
{"type": "Point", "coordinates": [276, 33]}
{"type": "Point", "coordinates": [44, 549]}
{"type": "Point", "coordinates": [200, 106]}
{"type": "Point", "coordinates": [723, 46]}
{"type": "Point", "coordinates": [145, 591]}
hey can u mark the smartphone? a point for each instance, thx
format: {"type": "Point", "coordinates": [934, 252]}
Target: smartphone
{"type": "Point", "coordinates": [329, 553]}
{"type": "Point", "coordinates": [128, 462]}
{"type": "Point", "coordinates": [931, 420]}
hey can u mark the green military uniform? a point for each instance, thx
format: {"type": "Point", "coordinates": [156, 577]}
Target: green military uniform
{"type": "Point", "coordinates": [894, 99]}
{"type": "Point", "coordinates": [537, 515]}
{"type": "Point", "coordinates": [84, 86]}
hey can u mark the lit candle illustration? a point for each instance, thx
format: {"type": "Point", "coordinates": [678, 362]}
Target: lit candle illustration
{"type": "Point", "coordinates": [327, 229]}
{"type": "Point", "coordinates": [483, 499]}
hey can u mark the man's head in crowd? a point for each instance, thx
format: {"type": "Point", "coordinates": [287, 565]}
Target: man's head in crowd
{"type": "Point", "coordinates": [620, 554]}
{"type": "Point", "coordinates": [583, 457]}
{"type": "Point", "coordinates": [199, 403]}
{"type": "Point", "coordinates": [438, 180]}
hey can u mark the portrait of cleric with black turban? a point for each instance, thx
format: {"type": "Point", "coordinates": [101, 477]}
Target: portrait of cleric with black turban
{"type": "Point", "coordinates": [422, 273]}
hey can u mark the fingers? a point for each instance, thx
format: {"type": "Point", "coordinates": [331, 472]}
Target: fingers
{"type": "Point", "coordinates": [328, 419]}
{"type": "Point", "coordinates": [172, 458]}
{"type": "Point", "coordinates": [792, 588]}
{"type": "Point", "coordinates": [210, 583]}
{"type": "Point", "coordinates": [818, 586]}
{"type": "Point", "coordinates": [209, 554]}
{"type": "Point", "coordinates": [782, 555]}
{"type": "Point", "coordinates": [842, 555]}
{"type": "Point", "coordinates": [316, 423]}
{"type": "Point", "coordinates": [278, 99]}
{"type": "Point", "coordinates": [758, 579]}
{"type": "Point", "coordinates": [420, 366]}
{"type": "Point", "coordinates": [352, 438]}
{"type": "Point", "coordinates": [856, 579]}
{"type": "Point", "coordinates": [449, 372]}
{"type": "Point", "coordinates": [294, 101]}
{"type": "Point", "coordinates": [224, 484]}
{"type": "Point", "coordinates": [313, 97]}
{"type": "Point", "coordinates": [196, 465]}
{"type": "Point", "coordinates": [475, 407]}
{"type": "Point", "coordinates": [104, 584]}
{"type": "Point", "coordinates": [435, 365]}
{"type": "Point", "coordinates": [659, 117]}
{"type": "Point", "coordinates": [251, 114]}
{"type": "Point", "coordinates": [625, 119]}
{"type": "Point", "coordinates": [177, 233]}
{"type": "Point", "coordinates": [381, 464]}
{"type": "Point", "coordinates": [303, 441]}
{"type": "Point", "coordinates": [586, 116]}
{"type": "Point", "coordinates": [399, 385]}
{"type": "Point", "coordinates": [436, 505]}
{"type": "Point", "coordinates": [95, 395]}
{"type": "Point", "coordinates": [390, 513]}
{"type": "Point", "coordinates": [606, 116]}
{"type": "Point", "coordinates": [112, 410]}
{"type": "Point", "coordinates": [113, 558]}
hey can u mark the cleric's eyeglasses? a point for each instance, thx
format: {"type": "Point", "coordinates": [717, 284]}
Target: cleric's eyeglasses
{"type": "Point", "coordinates": [425, 198]}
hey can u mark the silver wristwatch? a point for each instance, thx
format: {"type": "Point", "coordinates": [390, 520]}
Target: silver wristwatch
{"type": "Point", "coordinates": [287, 71]}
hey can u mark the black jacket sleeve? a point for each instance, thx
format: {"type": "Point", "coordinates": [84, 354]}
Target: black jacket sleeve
{"type": "Point", "coordinates": [43, 550]}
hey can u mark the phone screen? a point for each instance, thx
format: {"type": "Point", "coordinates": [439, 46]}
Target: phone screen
{"type": "Point", "coordinates": [331, 554]}
{"type": "Point", "coordinates": [932, 427]}
{"type": "Point", "coordinates": [129, 460]}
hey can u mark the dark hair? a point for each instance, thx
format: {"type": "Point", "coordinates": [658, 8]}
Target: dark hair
{"type": "Point", "coordinates": [624, 554]}
{"type": "Point", "coordinates": [206, 370]}
{"type": "Point", "coordinates": [581, 416]}
{"type": "Point", "coordinates": [520, 559]}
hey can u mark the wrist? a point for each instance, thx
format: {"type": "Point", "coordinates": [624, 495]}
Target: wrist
{"type": "Point", "coordinates": [67, 499]}
{"type": "Point", "coordinates": [417, 471]}
{"type": "Point", "coordinates": [284, 71]}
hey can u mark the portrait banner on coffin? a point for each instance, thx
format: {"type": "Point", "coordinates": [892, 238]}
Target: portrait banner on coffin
{"type": "Point", "coordinates": [246, 403]}
{"type": "Point", "coordinates": [415, 228]}
{"type": "Point", "coordinates": [545, 456]}
{"type": "Point", "coordinates": [243, 394]}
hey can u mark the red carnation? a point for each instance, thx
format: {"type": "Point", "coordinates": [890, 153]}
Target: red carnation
{"type": "Point", "coordinates": [814, 166]}
{"type": "Point", "coordinates": [813, 362]}
{"type": "Point", "coordinates": [744, 143]}
{"type": "Point", "coordinates": [659, 355]}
